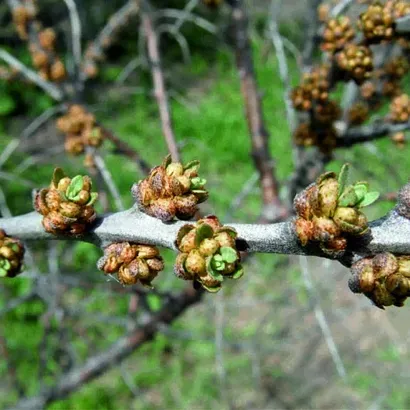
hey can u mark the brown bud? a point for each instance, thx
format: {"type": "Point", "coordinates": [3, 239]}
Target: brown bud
{"type": "Point", "coordinates": [70, 209]}
{"type": "Point", "coordinates": [147, 252]}
{"type": "Point", "coordinates": [225, 239]}
{"type": "Point", "coordinates": [208, 247]}
{"type": "Point", "coordinates": [195, 263]}
{"type": "Point", "coordinates": [47, 39]}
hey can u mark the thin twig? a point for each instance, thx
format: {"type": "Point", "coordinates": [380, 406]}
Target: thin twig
{"type": "Point", "coordinates": [75, 33]}
{"type": "Point", "coordinates": [126, 149]}
{"type": "Point", "coordinates": [159, 86]}
{"type": "Point", "coordinates": [273, 208]}
{"type": "Point", "coordinates": [321, 318]}
{"type": "Point", "coordinates": [95, 51]}
{"type": "Point", "coordinates": [121, 349]}
{"type": "Point", "coordinates": [107, 177]}
{"type": "Point", "coordinates": [51, 89]}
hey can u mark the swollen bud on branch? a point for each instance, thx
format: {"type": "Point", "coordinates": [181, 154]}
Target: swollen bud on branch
{"type": "Point", "coordinates": [377, 23]}
{"type": "Point", "coordinates": [337, 33]}
{"type": "Point", "coordinates": [67, 205]}
{"type": "Point", "coordinates": [384, 279]}
{"type": "Point", "coordinates": [328, 212]}
{"type": "Point", "coordinates": [170, 191]}
{"type": "Point", "coordinates": [11, 256]}
{"type": "Point", "coordinates": [356, 62]}
{"type": "Point", "coordinates": [132, 263]}
{"type": "Point", "coordinates": [208, 253]}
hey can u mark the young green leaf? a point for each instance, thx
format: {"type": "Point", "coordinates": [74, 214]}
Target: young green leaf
{"type": "Point", "coordinates": [343, 176]}
{"type": "Point", "coordinates": [197, 183]}
{"type": "Point", "coordinates": [369, 198]}
{"type": "Point", "coordinates": [239, 273]}
{"type": "Point", "coordinates": [167, 160]}
{"type": "Point", "coordinates": [192, 165]}
{"type": "Point", "coordinates": [93, 198]}
{"type": "Point", "coordinates": [75, 187]}
{"type": "Point", "coordinates": [211, 269]}
{"type": "Point", "coordinates": [14, 247]}
{"type": "Point", "coordinates": [229, 255]}
{"type": "Point", "coordinates": [203, 232]}
{"type": "Point", "coordinates": [360, 191]}
{"type": "Point", "coordinates": [348, 198]}
{"type": "Point", "coordinates": [213, 289]}
{"type": "Point", "coordinates": [3, 272]}
{"type": "Point", "coordinates": [58, 175]}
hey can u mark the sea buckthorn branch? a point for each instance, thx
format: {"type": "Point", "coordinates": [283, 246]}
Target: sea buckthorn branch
{"type": "Point", "coordinates": [354, 55]}
{"type": "Point", "coordinates": [41, 41]}
{"type": "Point", "coordinates": [366, 133]}
{"type": "Point", "coordinates": [99, 363]}
{"type": "Point", "coordinates": [273, 208]}
{"type": "Point", "coordinates": [389, 234]}
{"type": "Point", "coordinates": [94, 53]}
{"type": "Point", "coordinates": [160, 92]}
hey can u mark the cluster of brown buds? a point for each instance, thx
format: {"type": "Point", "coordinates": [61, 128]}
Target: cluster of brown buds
{"type": "Point", "coordinates": [44, 58]}
{"type": "Point", "coordinates": [324, 137]}
{"type": "Point", "coordinates": [22, 16]}
{"type": "Point", "coordinates": [95, 50]}
{"type": "Point", "coordinates": [358, 113]}
{"type": "Point", "coordinates": [328, 211]}
{"type": "Point", "coordinates": [383, 278]}
{"type": "Point", "coordinates": [133, 263]}
{"type": "Point", "coordinates": [376, 23]}
{"type": "Point", "coordinates": [337, 33]}
{"type": "Point", "coordinates": [67, 205]}
{"type": "Point", "coordinates": [356, 62]}
{"type": "Point", "coordinates": [314, 88]}
{"type": "Point", "coordinates": [80, 129]}
{"type": "Point", "coordinates": [312, 96]}
{"type": "Point", "coordinates": [11, 256]}
{"type": "Point", "coordinates": [41, 42]}
{"type": "Point", "coordinates": [170, 191]}
{"type": "Point", "coordinates": [400, 109]}
{"type": "Point", "coordinates": [208, 253]}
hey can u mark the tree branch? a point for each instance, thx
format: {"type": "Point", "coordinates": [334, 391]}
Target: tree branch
{"type": "Point", "coordinates": [273, 207]}
{"type": "Point", "coordinates": [389, 234]}
{"type": "Point", "coordinates": [51, 89]}
{"type": "Point", "coordinates": [159, 86]}
{"type": "Point", "coordinates": [121, 349]}
{"type": "Point", "coordinates": [95, 51]}
{"type": "Point", "coordinates": [366, 133]}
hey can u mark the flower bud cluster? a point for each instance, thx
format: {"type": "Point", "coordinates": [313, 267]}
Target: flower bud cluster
{"type": "Point", "coordinates": [356, 62]}
{"type": "Point", "coordinates": [44, 58]}
{"type": "Point", "coordinates": [11, 256]}
{"type": "Point", "coordinates": [67, 205]}
{"type": "Point", "coordinates": [170, 191]}
{"type": "Point", "coordinates": [383, 278]}
{"type": "Point", "coordinates": [337, 33]}
{"type": "Point", "coordinates": [312, 96]}
{"type": "Point", "coordinates": [328, 212]}
{"type": "Point", "coordinates": [314, 88]}
{"type": "Point", "coordinates": [22, 16]}
{"type": "Point", "coordinates": [325, 137]}
{"type": "Point", "coordinates": [358, 113]}
{"type": "Point", "coordinates": [80, 129]}
{"type": "Point", "coordinates": [376, 23]}
{"type": "Point", "coordinates": [133, 263]}
{"type": "Point", "coordinates": [400, 109]}
{"type": "Point", "coordinates": [208, 253]}
{"type": "Point", "coordinates": [42, 44]}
